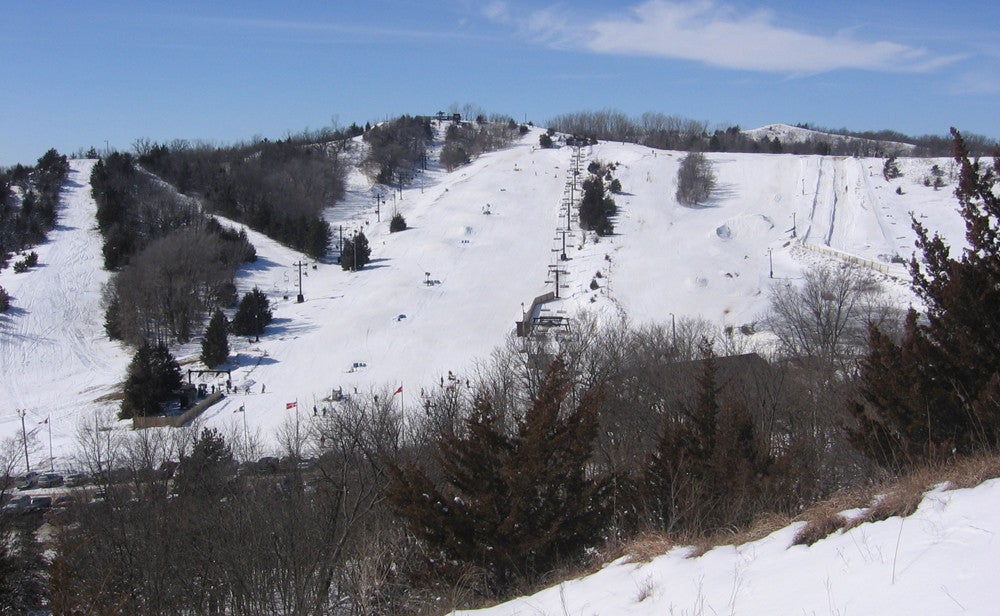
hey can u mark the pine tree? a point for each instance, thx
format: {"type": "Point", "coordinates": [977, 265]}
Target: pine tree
{"type": "Point", "coordinates": [253, 315]}
{"type": "Point", "coordinates": [711, 469]}
{"type": "Point", "coordinates": [4, 300]}
{"type": "Point", "coordinates": [938, 392]}
{"type": "Point", "coordinates": [356, 253]}
{"type": "Point", "coordinates": [515, 504]}
{"type": "Point", "coordinates": [215, 344]}
{"type": "Point", "coordinates": [207, 469]}
{"type": "Point", "coordinates": [397, 224]}
{"type": "Point", "coordinates": [153, 377]}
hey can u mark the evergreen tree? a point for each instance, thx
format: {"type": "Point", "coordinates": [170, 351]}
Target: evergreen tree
{"type": "Point", "coordinates": [397, 224]}
{"type": "Point", "coordinates": [4, 300]}
{"type": "Point", "coordinates": [711, 469]}
{"type": "Point", "coordinates": [356, 253]}
{"type": "Point", "coordinates": [206, 471]}
{"type": "Point", "coordinates": [515, 504]}
{"type": "Point", "coordinates": [153, 378]}
{"type": "Point", "coordinates": [215, 344]}
{"type": "Point", "coordinates": [938, 392]}
{"type": "Point", "coordinates": [22, 569]}
{"type": "Point", "coordinates": [317, 237]}
{"type": "Point", "coordinates": [596, 206]}
{"type": "Point", "coordinates": [253, 315]}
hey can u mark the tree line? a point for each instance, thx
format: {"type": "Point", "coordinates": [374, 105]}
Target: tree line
{"type": "Point", "coordinates": [279, 188]}
{"type": "Point", "coordinates": [173, 264]}
{"type": "Point", "coordinates": [667, 132]}
{"type": "Point", "coordinates": [464, 141]}
{"type": "Point", "coordinates": [29, 198]}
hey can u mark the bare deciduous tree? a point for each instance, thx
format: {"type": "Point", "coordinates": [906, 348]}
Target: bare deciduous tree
{"type": "Point", "coordinates": [695, 180]}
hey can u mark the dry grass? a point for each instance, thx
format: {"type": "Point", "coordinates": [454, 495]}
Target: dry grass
{"type": "Point", "coordinates": [901, 498]}
{"type": "Point", "coordinates": [970, 472]}
{"type": "Point", "coordinates": [821, 521]}
{"type": "Point", "coordinates": [763, 526]}
{"type": "Point", "coordinates": [646, 547]}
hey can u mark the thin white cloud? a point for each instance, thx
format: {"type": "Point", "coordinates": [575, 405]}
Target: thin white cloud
{"type": "Point", "coordinates": [497, 11]}
{"type": "Point", "coordinates": [717, 34]}
{"type": "Point", "coordinates": [277, 26]}
{"type": "Point", "coordinates": [976, 83]}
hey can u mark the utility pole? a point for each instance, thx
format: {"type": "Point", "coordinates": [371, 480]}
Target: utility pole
{"type": "Point", "coordinates": [673, 331]}
{"type": "Point", "coordinates": [555, 268]}
{"type": "Point", "coordinates": [24, 437]}
{"type": "Point", "coordinates": [300, 265]}
{"type": "Point", "coordinates": [770, 261]}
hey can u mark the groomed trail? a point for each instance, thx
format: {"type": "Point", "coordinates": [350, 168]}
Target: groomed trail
{"type": "Point", "coordinates": [54, 354]}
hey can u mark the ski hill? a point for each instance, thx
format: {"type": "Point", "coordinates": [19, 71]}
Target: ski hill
{"type": "Point", "coordinates": [484, 241]}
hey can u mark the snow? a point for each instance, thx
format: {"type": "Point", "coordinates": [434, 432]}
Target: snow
{"type": "Point", "coordinates": [936, 561]}
{"type": "Point", "coordinates": [795, 134]}
{"type": "Point", "coordinates": [712, 262]}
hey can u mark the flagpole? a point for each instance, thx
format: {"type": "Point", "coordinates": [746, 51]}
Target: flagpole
{"type": "Point", "coordinates": [52, 467]}
{"type": "Point", "coordinates": [298, 448]}
{"type": "Point", "coordinates": [246, 436]}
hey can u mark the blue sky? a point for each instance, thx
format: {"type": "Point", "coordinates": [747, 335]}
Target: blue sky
{"type": "Point", "coordinates": [80, 73]}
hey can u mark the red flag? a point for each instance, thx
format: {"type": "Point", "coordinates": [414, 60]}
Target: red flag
{"type": "Point", "coordinates": [291, 405]}
{"type": "Point", "coordinates": [44, 422]}
{"type": "Point", "coordinates": [398, 391]}
{"type": "Point", "coordinates": [240, 410]}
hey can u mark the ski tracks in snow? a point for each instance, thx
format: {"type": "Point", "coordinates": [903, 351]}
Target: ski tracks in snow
{"type": "Point", "coordinates": [56, 328]}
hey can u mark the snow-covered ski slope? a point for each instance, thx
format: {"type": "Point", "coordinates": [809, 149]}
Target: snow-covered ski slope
{"type": "Point", "coordinates": [485, 237]}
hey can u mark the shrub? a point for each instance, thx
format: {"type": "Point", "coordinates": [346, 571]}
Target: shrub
{"type": "Point", "coordinates": [544, 140]}
{"type": "Point", "coordinates": [398, 223]}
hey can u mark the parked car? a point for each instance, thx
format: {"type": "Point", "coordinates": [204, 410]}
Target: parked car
{"type": "Point", "coordinates": [17, 503]}
{"type": "Point", "coordinates": [268, 464]}
{"type": "Point", "coordinates": [50, 480]}
{"type": "Point", "coordinates": [77, 479]}
{"type": "Point", "coordinates": [40, 503]}
{"type": "Point", "coordinates": [28, 481]}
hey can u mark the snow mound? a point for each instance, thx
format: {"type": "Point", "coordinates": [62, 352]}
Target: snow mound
{"type": "Point", "coordinates": [932, 562]}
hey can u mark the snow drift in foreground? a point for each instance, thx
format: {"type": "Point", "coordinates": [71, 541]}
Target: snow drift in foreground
{"type": "Point", "coordinates": [940, 560]}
